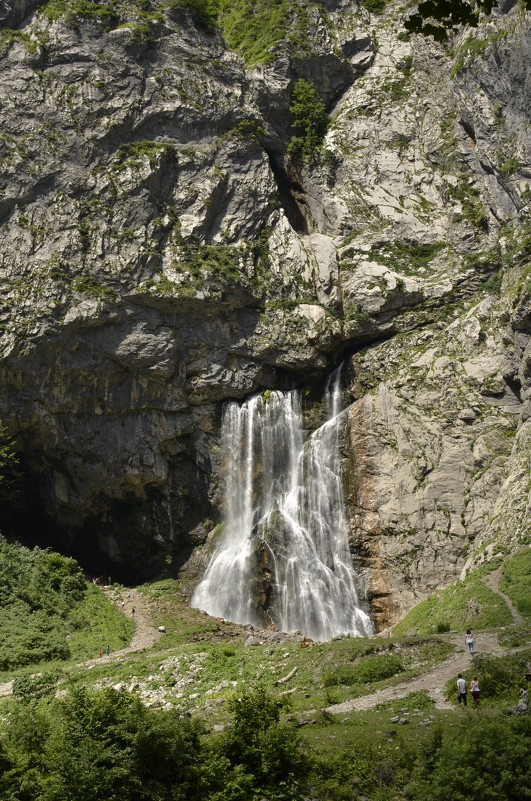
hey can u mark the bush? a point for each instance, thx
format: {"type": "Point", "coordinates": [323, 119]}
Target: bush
{"type": "Point", "coordinates": [487, 760]}
{"type": "Point", "coordinates": [104, 745]}
{"type": "Point", "coordinates": [43, 598]}
{"type": "Point", "coordinates": [500, 678]}
{"type": "Point", "coordinates": [263, 753]}
{"type": "Point", "coordinates": [310, 120]}
{"type": "Point", "coordinates": [35, 686]}
{"type": "Point", "coordinates": [368, 669]}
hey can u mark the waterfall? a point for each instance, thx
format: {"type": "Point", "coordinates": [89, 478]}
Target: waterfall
{"type": "Point", "coordinates": [283, 555]}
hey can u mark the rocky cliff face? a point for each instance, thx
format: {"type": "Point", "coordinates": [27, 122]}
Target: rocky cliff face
{"type": "Point", "coordinates": [161, 252]}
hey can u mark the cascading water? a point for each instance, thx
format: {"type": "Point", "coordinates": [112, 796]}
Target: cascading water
{"type": "Point", "coordinates": [284, 554]}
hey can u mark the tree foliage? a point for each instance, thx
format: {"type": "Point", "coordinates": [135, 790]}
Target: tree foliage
{"type": "Point", "coordinates": [309, 120]}
{"type": "Point", "coordinates": [38, 592]}
{"type": "Point", "coordinates": [437, 18]}
{"type": "Point", "coordinates": [487, 760]}
{"type": "Point", "coordinates": [107, 745]}
{"type": "Point", "coordinates": [264, 754]}
{"type": "Point", "coordinates": [104, 745]}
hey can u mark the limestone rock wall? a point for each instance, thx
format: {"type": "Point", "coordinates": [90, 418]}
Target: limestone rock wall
{"type": "Point", "coordinates": [162, 252]}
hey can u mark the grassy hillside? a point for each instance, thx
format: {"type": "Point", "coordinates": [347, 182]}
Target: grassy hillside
{"type": "Point", "coordinates": [48, 612]}
{"type": "Point", "coordinates": [465, 604]}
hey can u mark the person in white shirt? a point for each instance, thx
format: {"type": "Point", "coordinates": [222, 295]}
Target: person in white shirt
{"type": "Point", "coordinates": [461, 690]}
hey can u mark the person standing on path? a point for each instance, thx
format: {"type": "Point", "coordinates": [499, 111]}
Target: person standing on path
{"type": "Point", "coordinates": [133, 611]}
{"type": "Point", "coordinates": [474, 689]}
{"type": "Point", "coordinates": [469, 640]}
{"type": "Point", "coordinates": [461, 690]}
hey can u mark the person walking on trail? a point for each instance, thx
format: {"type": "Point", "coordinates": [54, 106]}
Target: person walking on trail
{"type": "Point", "coordinates": [469, 640]}
{"type": "Point", "coordinates": [474, 689]}
{"type": "Point", "coordinates": [461, 690]}
{"type": "Point", "coordinates": [107, 650]}
{"type": "Point", "coordinates": [123, 604]}
{"type": "Point", "coordinates": [133, 611]}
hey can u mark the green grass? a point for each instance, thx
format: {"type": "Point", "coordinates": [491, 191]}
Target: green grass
{"type": "Point", "coordinates": [352, 754]}
{"type": "Point", "coordinates": [515, 581]}
{"type": "Point", "coordinates": [254, 28]}
{"type": "Point", "coordinates": [467, 604]}
{"type": "Point", "coordinates": [95, 623]}
{"type": "Point", "coordinates": [369, 669]}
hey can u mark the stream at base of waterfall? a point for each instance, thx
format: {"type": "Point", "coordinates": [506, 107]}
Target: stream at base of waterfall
{"type": "Point", "coordinates": [282, 555]}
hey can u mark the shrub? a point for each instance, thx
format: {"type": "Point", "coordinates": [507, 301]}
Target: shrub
{"type": "Point", "coordinates": [44, 597]}
{"type": "Point", "coordinates": [368, 669]}
{"type": "Point", "coordinates": [487, 760]}
{"type": "Point", "coordinates": [263, 753]}
{"type": "Point", "coordinates": [34, 686]}
{"type": "Point", "coordinates": [104, 745]}
{"type": "Point", "coordinates": [310, 120]}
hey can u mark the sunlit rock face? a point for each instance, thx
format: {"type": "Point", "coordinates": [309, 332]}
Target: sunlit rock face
{"type": "Point", "coordinates": [163, 253]}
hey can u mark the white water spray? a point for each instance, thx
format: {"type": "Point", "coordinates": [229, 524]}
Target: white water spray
{"type": "Point", "coordinates": [284, 553]}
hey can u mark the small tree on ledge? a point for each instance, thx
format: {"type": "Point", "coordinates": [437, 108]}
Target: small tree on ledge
{"type": "Point", "coordinates": [310, 120]}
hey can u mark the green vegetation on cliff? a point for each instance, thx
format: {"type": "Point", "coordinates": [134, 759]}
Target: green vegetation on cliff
{"type": "Point", "coordinates": [252, 28]}
{"type": "Point", "coordinates": [48, 612]}
{"type": "Point", "coordinates": [309, 122]}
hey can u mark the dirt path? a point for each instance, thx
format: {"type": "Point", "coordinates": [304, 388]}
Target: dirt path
{"type": "Point", "coordinates": [493, 583]}
{"type": "Point", "coordinates": [145, 634]}
{"type": "Point", "coordinates": [433, 681]}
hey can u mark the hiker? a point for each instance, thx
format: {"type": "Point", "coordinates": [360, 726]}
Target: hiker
{"type": "Point", "coordinates": [99, 653]}
{"type": "Point", "coordinates": [461, 690]}
{"type": "Point", "coordinates": [469, 640]}
{"type": "Point", "coordinates": [123, 604]}
{"type": "Point", "coordinates": [474, 689]}
{"type": "Point", "coordinates": [107, 650]}
{"type": "Point", "coordinates": [133, 611]}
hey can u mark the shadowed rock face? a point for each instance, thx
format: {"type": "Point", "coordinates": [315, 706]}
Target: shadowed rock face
{"type": "Point", "coordinates": [161, 253]}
